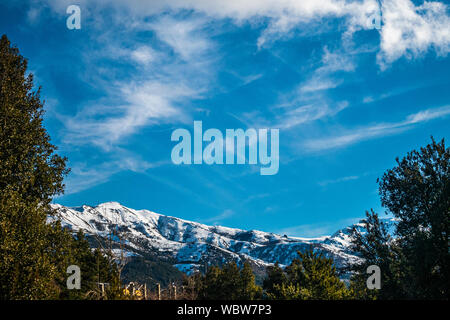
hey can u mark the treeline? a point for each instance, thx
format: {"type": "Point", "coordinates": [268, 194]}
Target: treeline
{"type": "Point", "coordinates": [311, 276]}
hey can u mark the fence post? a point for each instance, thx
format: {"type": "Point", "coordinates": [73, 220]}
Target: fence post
{"type": "Point", "coordinates": [145, 291]}
{"type": "Point", "coordinates": [158, 291]}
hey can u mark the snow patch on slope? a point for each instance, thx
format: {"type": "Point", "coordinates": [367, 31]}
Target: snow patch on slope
{"type": "Point", "coordinates": [192, 244]}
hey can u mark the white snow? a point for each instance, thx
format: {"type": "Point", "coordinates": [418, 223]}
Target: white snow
{"type": "Point", "coordinates": [192, 243]}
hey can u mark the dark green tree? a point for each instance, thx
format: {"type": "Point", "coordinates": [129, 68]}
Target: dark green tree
{"type": "Point", "coordinates": [317, 277]}
{"type": "Point", "coordinates": [376, 247]}
{"type": "Point", "coordinates": [312, 276]}
{"type": "Point", "coordinates": [30, 174]}
{"type": "Point", "coordinates": [275, 280]}
{"type": "Point", "coordinates": [96, 266]}
{"type": "Point", "coordinates": [228, 282]}
{"type": "Point", "coordinates": [250, 290]}
{"type": "Point", "coordinates": [34, 254]}
{"type": "Point", "coordinates": [417, 192]}
{"type": "Point", "coordinates": [414, 265]}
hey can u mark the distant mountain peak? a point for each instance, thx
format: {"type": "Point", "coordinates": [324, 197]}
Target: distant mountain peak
{"type": "Point", "coordinates": [190, 245]}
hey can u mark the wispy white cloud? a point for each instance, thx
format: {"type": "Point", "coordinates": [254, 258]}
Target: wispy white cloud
{"type": "Point", "coordinates": [308, 102]}
{"type": "Point", "coordinates": [317, 84]}
{"type": "Point", "coordinates": [142, 104]}
{"type": "Point", "coordinates": [161, 81]}
{"type": "Point", "coordinates": [33, 15]}
{"type": "Point", "coordinates": [83, 177]}
{"type": "Point", "coordinates": [144, 55]}
{"type": "Point", "coordinates": [291, 115]}
{"type": "Point", "coordinates": [324, 77]}
{"type": "Point", "coordinates": [250, 78]}
{"type": "Point", "coordinates": [375, 130]}
{"type": "Point", "coordinates": [394, 92]}
{"type": "Point", "coordinates": [426, 115]}
{"type": "Point", "coordinates": [308, 113]}
{"type": "Point", "coordinates": [146, 97]}
{"type": "Point", "coordinates": [338, 180]}
{"type": "Point", "coordinates": [406, 29]}
{"type": "Point", "coordinates": [228, 213]}
{"type": "Point", "coordinates": [185, 36]}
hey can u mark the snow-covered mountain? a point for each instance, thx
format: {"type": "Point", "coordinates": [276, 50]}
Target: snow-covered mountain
{"type": "Point", "coordinates": [191, 245]}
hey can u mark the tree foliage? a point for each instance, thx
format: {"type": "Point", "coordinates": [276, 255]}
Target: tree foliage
{"type": "Point", "coordinates": [312, 276]}
{"type": "Point", "coordinates": [228, 282]}
{"type": "Point", "coordinates": [34, 254]}
{"type": "Point", "coordinates": [416, 265]}
{"type": "Point", "coordinates": [376, 247]}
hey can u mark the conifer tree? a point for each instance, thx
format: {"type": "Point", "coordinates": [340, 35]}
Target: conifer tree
{"type": "Point", "coordinates": [416, 265]}
{"type": "Point", "coordinates": [34, 254]}
{"type": "Point", "coordinates": [317, 277]}
{"type": "Point", "coordinates": [285, 291]}
{"type": "Point", "coordinates": [228, 282]}
{"type": "Point", "coordinates": [250, 290]}
{"type": "Point", "coordinates": [312, 276]}
{"type": "Point", "coordinates": [417, 192]}
{"type": "Point", "coordinates": [275, 280]}
{"type": "Point", "coordinates": [30, 174]}
{"type": "Point", "coordinates": [376, 247]}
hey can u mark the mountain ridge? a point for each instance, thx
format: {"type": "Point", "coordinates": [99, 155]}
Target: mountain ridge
{"type": "Point", "coordinates": [191, 246]}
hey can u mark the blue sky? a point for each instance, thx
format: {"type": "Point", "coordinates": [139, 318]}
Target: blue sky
{"type": "Point", "coordinates": [348, 98]}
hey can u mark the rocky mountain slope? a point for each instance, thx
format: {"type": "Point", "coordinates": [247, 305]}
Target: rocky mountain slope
{"type": "Point", "coordinates": [191, 246]}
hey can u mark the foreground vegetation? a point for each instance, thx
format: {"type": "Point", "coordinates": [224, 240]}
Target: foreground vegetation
{"type": "Point", "coordinates": [34, 255]}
